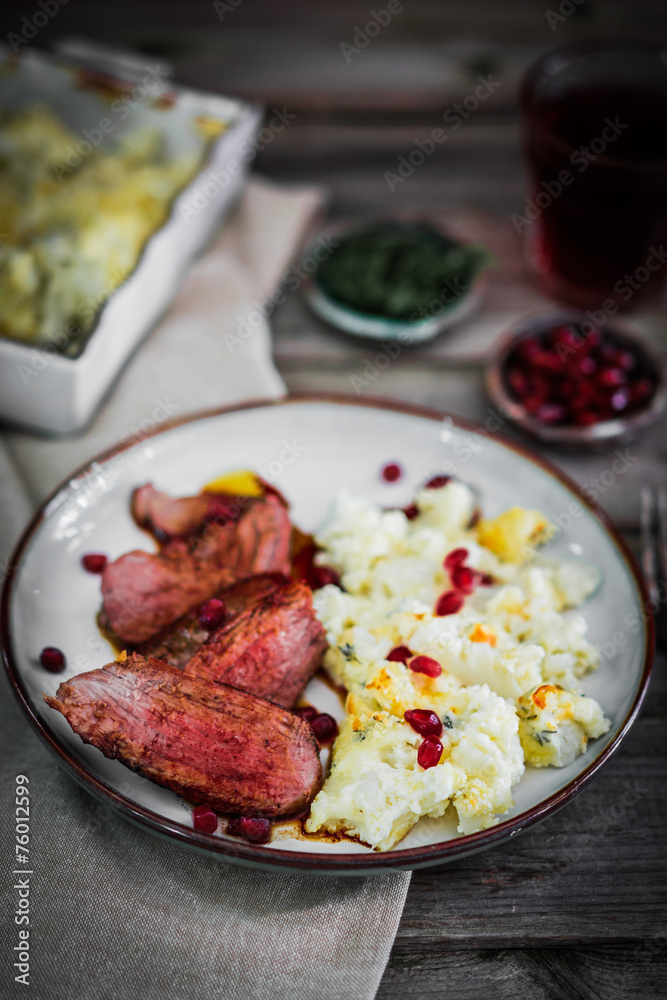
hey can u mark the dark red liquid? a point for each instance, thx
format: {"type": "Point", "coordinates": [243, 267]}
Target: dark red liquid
{"type": "Point", "coordinates": [599, 163]}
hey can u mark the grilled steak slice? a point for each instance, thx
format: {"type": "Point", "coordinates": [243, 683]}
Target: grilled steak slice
{"type": "Point", "coordinates": [180, 641]}
{"type": "Point", "coordinates": [145, 592]}
{"type": "Point", "coordinates": [272, 648]}
{"type": "Point", "coordinates": [168, 517]}
{"type": "Point", "coordinates": [208, 742]}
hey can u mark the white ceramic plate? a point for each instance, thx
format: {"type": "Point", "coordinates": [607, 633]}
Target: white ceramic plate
{"type": "Point", "coordinates": [310, 448]}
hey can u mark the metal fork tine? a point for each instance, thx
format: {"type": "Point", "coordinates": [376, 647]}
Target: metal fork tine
{"type": "Point", "coordinates": [662, 537]}
{"type": "Point", "coordinates": [647, 515]}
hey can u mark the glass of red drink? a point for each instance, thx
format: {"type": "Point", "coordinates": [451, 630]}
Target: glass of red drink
{"type": "Point", "coordinates": [595, 134]}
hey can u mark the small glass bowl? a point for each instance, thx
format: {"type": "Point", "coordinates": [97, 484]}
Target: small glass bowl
{"type": "Point", "coordinates": [374, 327]}
{"type": "Point", "coordinates": [596, 437]}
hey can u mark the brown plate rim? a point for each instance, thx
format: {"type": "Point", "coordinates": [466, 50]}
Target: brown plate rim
{"type": "Point", "coordinates": [237, 850]}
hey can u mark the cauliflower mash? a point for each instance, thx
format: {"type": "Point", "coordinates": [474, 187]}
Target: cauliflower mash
{"type": "Point", "coordinates": [503, 670]}
{"type": "Point", "coordinates": [72, 235]}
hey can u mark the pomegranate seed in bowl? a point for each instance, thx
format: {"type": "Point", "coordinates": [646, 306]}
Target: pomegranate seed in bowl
{"type": "Point", "coordinates": [570, 383]}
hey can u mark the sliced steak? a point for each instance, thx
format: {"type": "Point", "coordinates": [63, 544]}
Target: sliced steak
{"type": "Point", "coordinates": [168, 517]}
{"type": "Point", "coordinates": [145, 592]}
{"type": "Point", "coordinates": [210, 743]}
{"type": "Point", "coordinates": [272, 648]}
{"type": "Point", "coordinates": [180, 641]}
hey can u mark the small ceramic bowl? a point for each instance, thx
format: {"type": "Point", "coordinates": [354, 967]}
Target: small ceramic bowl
{"type": "Point", "coordinates": [598, 436]}
{"type": "Point", "coordinates": [375, 327]}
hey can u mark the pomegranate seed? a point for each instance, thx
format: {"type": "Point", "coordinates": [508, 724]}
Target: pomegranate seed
{"type": "Point", "coordinates": [424, 721]}
{"type": "Point", "coordinates": [626, 360]}
{"type": "Point", "coordinates": [52, 659]}
{"type": "Point", "coordinates": [528, 348]}
{"type": "Point", "coordinates": [484, 579]}
{"type": "Point", "coordinates": [587, 366]}
{"type": "Point", "coordinates": [611, 377]}
{"type": "Point", "coordinates": [399, 654]}
{"type": "Point", "coordinates": [204, 819]}
{"type": "Point", "coordinates": [411, 511]}
{"type": "Point", "coordinates": [455, 558]}
{"type": "Point", "coordinates": [325, 727]}
{"type": "Point", "coordinates": [620, 399]}
{"type": "Point", "coordinates": [391, 472]}
{"type": "Point", "coordinates": [252, 828]}
{"type": "Point", "coordinates": [94, 562]}
{"type": "Point", "coordinates": [551, 413]}
{"type": "Point", "coordinates": [642, 389]}
{"type": "Point", "coordinates": [463, 579]}
{"type": "Point", "coordinates": [322, 575]}
{"type": "Point", "coordinates": [518, 382]}
{"type": "Point", "coordinates": [425, 665]}
{"type": "Point", "coordinates": [437, 482]}
{"type": "Point", "coordinates": [586, 418]}
{"type": "Point", "coordinates": [430, 752]}
{"type": "Point", "coordinates": [211, 613]}
{"type": "Point", "coordinates": [307, 712]}
{"type": "Point", "coordinates": [548, 361]}
{"type": "Point", "coordinates": [448, 603]}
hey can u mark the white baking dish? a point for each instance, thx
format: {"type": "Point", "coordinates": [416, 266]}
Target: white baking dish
{"type": "Point", "coordinates": [43, 389]}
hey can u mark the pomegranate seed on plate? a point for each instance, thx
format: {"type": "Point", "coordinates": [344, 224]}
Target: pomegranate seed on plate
{"type": "Point", "coordinates": [306, 712]}
{"type": "Point", "coordinates": [52, 659]}
{"type": "Point", "coordinates": [425, 665]}
{"type": "Point", "coordinates": [94, 562]}
{"type": "Point", "coordinates": [424, 721]}
{"type": "Point", "coordinates": [455, 558]}
{"type": "Point", "coordinates": [430, 752]}
{"type": "Point", "coordinates": [322, 575]}
{"type": "Point", "coordinates": [204, 819]}
{"type": "Point", "coordinates": [391, 472]}
{"type": "Point", "coordinates": [463, 579]}
{"type": "Point", "coordinates": [448, 603]}
{"type": "Point", "coordinates": [399, 654]}
{"type": "Point", "coordinates": [411, 511]}
{"type": "Point", "coordinates": [252, 828]}
{"type": "Point", "coordinates": [437, 482]}
{"type": "Point", "coordinates": [211, 613]}
{"type": "Point", "coordinates": [325, 727]}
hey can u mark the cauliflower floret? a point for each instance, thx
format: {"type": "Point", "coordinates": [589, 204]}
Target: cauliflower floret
{"type": "Point", "coordinates": [376, 789]}
{"type": "Point", "coordinates": [555, 725]}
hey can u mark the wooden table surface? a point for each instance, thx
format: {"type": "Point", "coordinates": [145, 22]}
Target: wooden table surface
{"type": "Point", "coordinates": [575, 907]}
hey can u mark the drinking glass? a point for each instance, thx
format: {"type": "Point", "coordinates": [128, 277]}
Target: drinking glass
{"type": "Point", "coordinates": [594, 117]}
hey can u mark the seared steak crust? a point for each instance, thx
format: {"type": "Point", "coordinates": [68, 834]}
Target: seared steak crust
{"type": "Point", "coordinates": [145, 592]}
{"type": "Point", "coordinates": [271, 649]}
{"type": "Point", "coordinates": [208, 742]}
{"type": "Point", "coordinates": [180, 641]}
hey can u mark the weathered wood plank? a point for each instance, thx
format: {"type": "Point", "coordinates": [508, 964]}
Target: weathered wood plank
{"type": "Point", "coordinates": [633, 973]}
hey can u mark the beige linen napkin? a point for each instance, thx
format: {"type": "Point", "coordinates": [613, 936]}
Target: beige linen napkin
{"type": "Point", "coordinates": [115, 912]}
